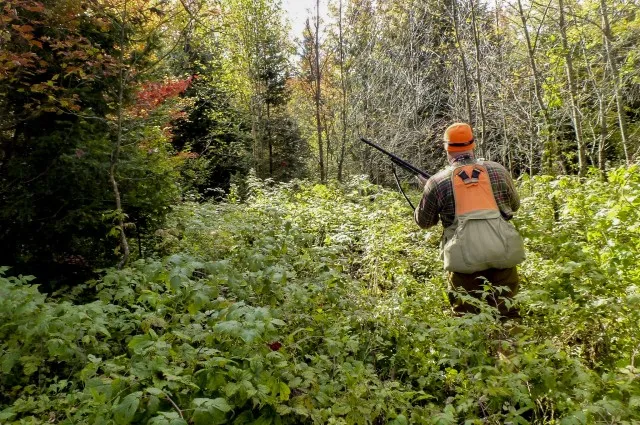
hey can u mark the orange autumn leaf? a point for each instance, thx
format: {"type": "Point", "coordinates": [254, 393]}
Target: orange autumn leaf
{"type": "Point", "coordinates": [37, 7]}
{"type": "Point", "coordinates": [23, 28]}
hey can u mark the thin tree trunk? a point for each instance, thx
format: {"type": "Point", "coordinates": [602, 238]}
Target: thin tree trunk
{"type": "Point", "coordinates": [603, 108]}
{"type": "Point", "coordinates": [269, 141]}
{"type": "Point", "coordinates": [550, 150]}
{"type": "Point", "coordinates": [476, 39]}
{"type": "Point", "coordinates": [604, 130]}
{"type": "Point", "coordinates": [139, 237]}
{"type": "Point", "coordinates": [115, 153]}
{"type": "Point", "coordinates": [613, 66]}
{"type": "Point", "coordinates": [603, 138]}
{"type": "Point", "coordinates": [465, 71]}
{"type": "Point", "coordinates": [318, 94]}
{"type": "Point", "coordinates": [531, 154]}
{"type": "Point", "coordinates": [575, 111]}
{"type": "Point", "coordinates": [343, 88]}
{"type": "Point", "coordinates": [254, 138]}
{"type": "Point", "coordinates": [329, 132]}
{"type": "Point", "coordinates": [366, 154]}
{"type": "Point", "coordinates": [507, 155]}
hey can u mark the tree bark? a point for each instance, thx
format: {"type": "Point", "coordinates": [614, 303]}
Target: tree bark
{"type": "Point", "coordinates": [115, 153]}
{"type": "Point", "coordinates": [575, 108]}
{"type": "Point", "coordinates": [465, 71]}
{"type": "Point", "coordinates": [613, 66]}
{"type": "Point", "coordinates": [603, 138]}
{"type": "Point", "coordinates": [476, 39]}
{"type": "Point", "coordinates": [318, 94]}
{"type": "Point", "coordinates": [343, 88]}
{"type": "Point", "coordinates": [269, 141]}
{"type": "Point", "coordinates": [549, 147]}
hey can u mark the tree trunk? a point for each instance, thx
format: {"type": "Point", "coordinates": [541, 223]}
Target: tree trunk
{"type": "Point", "coordinates": [343, 88]}
{"type": "Point", "coordinates": [269, 141]}
{"type": "Point", "coordinates": [575, 111]}
{"type": "Point", "coordinates": [115, 153]}
{"type": "Point", "coordinates": [507, 151]}
{"type": "Point", "coordinates": [603, 138]}
{"type": "Point", "coordinates": [549, 153]}
{"type": "Point", "coordinates": [366, 153]}
{"type": "Point", "coordinates": [318, 94]}
{"type": "Point", "coordinates": [465, 71]}
{"type": "Point", "coordinates": [613, 66]}
{"type": "Point", "coordinates": [476, 39]}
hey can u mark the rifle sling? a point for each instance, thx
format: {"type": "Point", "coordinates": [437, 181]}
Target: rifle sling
{"type": "Point", "coordinates": [393, 167]}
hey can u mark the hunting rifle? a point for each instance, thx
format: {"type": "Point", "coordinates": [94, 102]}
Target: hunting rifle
{"type": "Point", "coordinates": [400, 162]}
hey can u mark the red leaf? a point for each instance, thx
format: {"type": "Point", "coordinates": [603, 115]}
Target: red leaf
{"type": "Point", "coordinates": [155, 93]}
{"type": "Point", "coordinates": [275, 346]}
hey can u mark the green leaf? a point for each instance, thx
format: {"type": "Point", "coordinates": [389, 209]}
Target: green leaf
{"type": "Point", "coordinates": [167, 418]}
{"type": "Point", "coordinates": [175, 282]}
{"type": "Point", "coordinates": [155, 391]}
{"type": "Point", "coordinates": [263, 420]}
{"type": "Point", "coordinates": [231, 327]}
{"type": "Point", "coordinates": [220, 404]}
{"type": "Point", "coordinates": [249, 335]}
{"type": "Point", "coordinates": [210, 411]}
{"type": "Point", "coordinates": [277, 322]}
{"type": "Point", "coordinates": [9, 360]}
{"type": "Point", "coordinates": [285, 391]}
{"type": "Point", "coordinates": [399, 420]}
{"type": "Point", "coordinates": [575, 418]}
{"type": "Point", "coordinates": [6, 414]}
{"type": "Point", "coordinates": [140, 342]}
{"type": "Point", "coordinates": [198, 300]}
{"type": "Point", "coordinates": [341, 409]}
{"type": "Point", "coordinates": [124, 412]}
{"type": "Point", "coordinates": [217, 403]}
{"type": "Point", "coordinates": [152, 405]}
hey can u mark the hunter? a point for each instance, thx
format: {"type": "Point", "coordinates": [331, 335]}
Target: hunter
{"type": "Point", "coordinates": [474, 199]}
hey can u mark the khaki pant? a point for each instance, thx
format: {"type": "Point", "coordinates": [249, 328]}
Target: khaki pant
{"type": "Point", "coordinates": [473, 282]}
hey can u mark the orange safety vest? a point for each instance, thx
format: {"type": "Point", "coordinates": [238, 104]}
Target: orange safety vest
{"type": "Point", "coordinates": [472, 189]}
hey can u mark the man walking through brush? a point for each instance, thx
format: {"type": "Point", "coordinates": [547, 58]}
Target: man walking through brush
{"type": "Point", "coordinates": [474, 199]}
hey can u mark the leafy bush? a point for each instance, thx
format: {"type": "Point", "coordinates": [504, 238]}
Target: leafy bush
{"type": "Point", "coordinates": [326, 304]}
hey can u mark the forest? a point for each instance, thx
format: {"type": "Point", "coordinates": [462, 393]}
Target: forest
{"type": "Point", "coordinates": [192, 232]}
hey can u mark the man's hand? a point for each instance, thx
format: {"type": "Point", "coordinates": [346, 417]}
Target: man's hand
{"type": "Point", "coordinates": [421, 180]}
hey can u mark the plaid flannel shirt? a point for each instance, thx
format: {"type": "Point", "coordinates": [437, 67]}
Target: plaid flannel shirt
{"type": "Point", "coordinates": [438, 202]}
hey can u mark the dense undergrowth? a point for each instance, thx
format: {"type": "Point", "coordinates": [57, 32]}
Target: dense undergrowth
{"type": "Point", "coordinates": [315, 304]}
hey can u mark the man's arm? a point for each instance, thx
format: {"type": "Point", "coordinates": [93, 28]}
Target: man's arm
{"type": "Point", "coordinates": [426, 214]}
{"type": "Point", "coordinates": [514, 198]}
{"type": "Point", "coordinates": [503, 188]}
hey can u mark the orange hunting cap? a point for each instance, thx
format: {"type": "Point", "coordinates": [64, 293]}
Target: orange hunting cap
{"type": "Point", "coordinates": [459, 137]}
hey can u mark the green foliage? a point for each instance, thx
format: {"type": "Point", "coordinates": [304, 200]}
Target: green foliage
{"type": "Point", "coordinates": [325, 304]}
{"type": "Point", "coordinates": [213, 130]}
{"type": "Point", "coordinates": [58, 130]}
{"type": "Point", "coordinates": [583, 240]}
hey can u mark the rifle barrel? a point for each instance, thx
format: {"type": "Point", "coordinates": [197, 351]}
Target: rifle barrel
{"type": "Point", "coordinates": [396, 160]}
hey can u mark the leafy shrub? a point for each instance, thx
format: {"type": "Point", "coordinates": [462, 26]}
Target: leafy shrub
{"type": "Point", "coordinates": [325, 304]}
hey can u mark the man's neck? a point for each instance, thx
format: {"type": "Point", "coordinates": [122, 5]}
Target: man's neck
{"type": "Point", "coordinates": [460, 157]}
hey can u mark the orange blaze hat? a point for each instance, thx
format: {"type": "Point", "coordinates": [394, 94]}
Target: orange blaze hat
{"type": "Point", "coordinates": [459, 137]}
